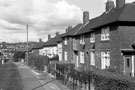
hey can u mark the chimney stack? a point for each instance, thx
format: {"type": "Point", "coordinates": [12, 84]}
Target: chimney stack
{"type": "Point", "coordinates": [40, 40]}
{"type": "Point", "coordinates": [57, 33]}
{"type": "Point", "coordinates": [120, 3]}
{"type": "Point", "coordinates": [68, 29]}
{"type": "Point", "coordinates": [85, 17]}
{"type": "Point", "coordinates": [49, 36]}
{"type": "Point", "coordinates": [109, 5]}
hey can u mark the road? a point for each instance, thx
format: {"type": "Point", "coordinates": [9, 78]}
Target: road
{"type": "Point", "coordinates": [31, 81]}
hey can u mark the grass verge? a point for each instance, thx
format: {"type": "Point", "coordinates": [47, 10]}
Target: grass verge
{"type": "Point", "coordinates": [10, 78]}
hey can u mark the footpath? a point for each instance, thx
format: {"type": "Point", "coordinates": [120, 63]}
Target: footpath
{"type": "Point", "coordinates": [45, 81]}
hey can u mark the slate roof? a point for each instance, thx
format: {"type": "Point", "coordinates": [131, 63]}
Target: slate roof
{"type": "Point", "coordinates": [36, 46]}
{"type": "Point", "coordinates": [51, 42]}
{"type": "Point", "coordinates": [125, 14]}
{"type": "Point", "coordinates": [73, 31]}
{"type": "Point", "coordinates": [86, 28]}
{"type": "Point", "coordinates": [54, 41]}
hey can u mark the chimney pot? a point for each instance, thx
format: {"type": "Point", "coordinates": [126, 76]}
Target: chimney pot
{"type": "Point", "coordinates": [120, 3]}
{"type": "Point", "coordinates": [57, 33]}
{"type": "Point", "coordinates": [109, 5]}
{"type": "Point", "coordinates": [68, 29]}
{"type": "Point", "coordinates": [49, 36]}
{"type": "Point", "coordinates": [85, 17]}
{"type": "Point", "coordinates": [40, 40]}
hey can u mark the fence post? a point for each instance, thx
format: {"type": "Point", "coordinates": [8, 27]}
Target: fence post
{"type": "Point", "coordinates": [73, 79]}
{"type": "Point", "coordinates": [89, 81]}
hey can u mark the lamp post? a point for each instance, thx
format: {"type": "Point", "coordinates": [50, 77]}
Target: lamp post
{"type": "Point", "coordinates": [27, 46]}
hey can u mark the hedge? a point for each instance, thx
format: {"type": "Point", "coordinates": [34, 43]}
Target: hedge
{"type": "Point", "coordinates": [38, 61]}
{"type": "Point", "coordinates": [102, 79]}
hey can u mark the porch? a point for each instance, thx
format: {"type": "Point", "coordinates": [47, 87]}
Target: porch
{"type": "Point", "coordinates": [129, 63]}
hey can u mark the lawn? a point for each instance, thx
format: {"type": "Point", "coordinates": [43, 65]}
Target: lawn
{"type": "Point", "coordinates": [10, 78]}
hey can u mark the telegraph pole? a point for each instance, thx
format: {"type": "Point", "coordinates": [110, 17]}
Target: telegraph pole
{"type": "Point", "coordinates": [27, 45]}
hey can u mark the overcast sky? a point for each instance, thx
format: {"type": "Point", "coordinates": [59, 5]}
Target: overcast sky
{"type": "Point", "coordinates": [43, 17]}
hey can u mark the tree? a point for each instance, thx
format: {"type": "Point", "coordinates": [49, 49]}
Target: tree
{"type": "Point", "coordinates": [19, 55]}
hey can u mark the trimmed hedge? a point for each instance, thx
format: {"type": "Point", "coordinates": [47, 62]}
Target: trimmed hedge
{"type": "Point", "coordinates": [38, 61]}
{"type": "Point", "coordinates": [102, 79]}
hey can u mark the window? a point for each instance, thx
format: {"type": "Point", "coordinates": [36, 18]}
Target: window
{"type": "Point", "coordinates": [105, 60]}
{"type": "Point", "coordinates": [65, 41]}
{"type": "Point", "coordinates": [82, 57]}
{"type": "Point", "coordinates": [105, 34]}
{"type": "Point", "coordinates": [92, 38]}
{"type": "Point", "coordinates": [128, 62]}
{"type": "Point", "coordinates": [65, 55]}
{"type": "Point", "coordinates": [82, 39]}
{"type": "Point", "coordinates": [92, 58]}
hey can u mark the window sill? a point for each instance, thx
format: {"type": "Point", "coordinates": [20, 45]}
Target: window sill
{"type": "Point", "coordinates": [81, 63]}
{"type": "Point", "coordinates": [92, 41]}
{"type": "Point", "coordinates": [105, 40]}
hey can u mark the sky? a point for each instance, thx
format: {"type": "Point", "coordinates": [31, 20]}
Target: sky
{"type": "Point", "coordinates": [43, 17]}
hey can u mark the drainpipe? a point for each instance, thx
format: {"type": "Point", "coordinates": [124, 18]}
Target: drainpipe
{"type": "Point", "coordinates": [124, 65]}
{"type": "Point", "coordinates": [132, 65]}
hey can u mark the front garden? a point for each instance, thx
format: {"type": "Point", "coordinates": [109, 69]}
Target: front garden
{"type": "Point", "coordinates": [92, 80]}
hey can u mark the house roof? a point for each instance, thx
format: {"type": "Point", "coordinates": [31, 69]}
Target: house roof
{"type": "Point", "coordinates": [125, 14]}
{"type": "Point", "coordinates": [37, 46]}
{"type": "Point", "coordinates": [86, 28]}
{"type": "Point", "coordinates": [73, 31]}
{"type": "Point", "coordinates": [54, 41]}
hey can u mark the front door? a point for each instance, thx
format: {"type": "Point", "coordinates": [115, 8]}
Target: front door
{"type": "Point", "coordinates": [128, 65]}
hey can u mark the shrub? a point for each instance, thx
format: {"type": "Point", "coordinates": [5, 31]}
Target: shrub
{"type": "Point", "coordinates": [38, 61]}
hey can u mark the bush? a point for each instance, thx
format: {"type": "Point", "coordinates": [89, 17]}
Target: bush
{"type": "Point", "coordinates": [18, 55]}
{"type": "Point", "coordinates": [38, 61]}
{"type": "Point", "coordinates": [55, 58]}
{"type": "Point", "coordinates": [101, 79]}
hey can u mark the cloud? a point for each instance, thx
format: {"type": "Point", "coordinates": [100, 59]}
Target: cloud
{"type": "Point", "coordinates": [43, 17]}
{"type": "Point", "coordinates": [127, 1]}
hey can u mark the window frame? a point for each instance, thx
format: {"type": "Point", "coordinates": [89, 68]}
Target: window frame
{"type": "Point", "coordinates": [105, 59]}
{"type": "Point", "coordinates": [65, 41]}
{"type": "Point", "coordinates": [82, 57]}
{"type": "Point", "coordinates": [105, 34]}
{"type": "Point", "coordinates": [65, 55]}
{"type": "Point", "coordinates": [92, 62]}
{"type": "Point", "coordinates": [92, 38]}
{"type": "Point", "coordinates": [82, 41]}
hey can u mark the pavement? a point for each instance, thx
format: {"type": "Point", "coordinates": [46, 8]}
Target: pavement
{"type": "Point", "coordinates": [32, 80]}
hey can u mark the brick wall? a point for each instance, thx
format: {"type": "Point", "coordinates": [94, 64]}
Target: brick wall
{"type": "Point", "coordinates": [127, 38]}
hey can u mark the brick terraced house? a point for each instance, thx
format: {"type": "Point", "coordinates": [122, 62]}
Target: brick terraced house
{"type": "Point", "coordinates": [104, 42]}
{"type": "Point", "coordinates": [68, 39]}
{"type": "Point", "coordinates": [103, 38]}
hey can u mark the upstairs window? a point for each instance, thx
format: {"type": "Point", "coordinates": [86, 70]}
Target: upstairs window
{"type": "Point", "coordinates": [82, 39]}
{"type": "Point", "coordinates": [65, 41]}
{"type": "Point", "coordinates": [105, 34]}
{"type": "Point", "coordinates": [92, 38]}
